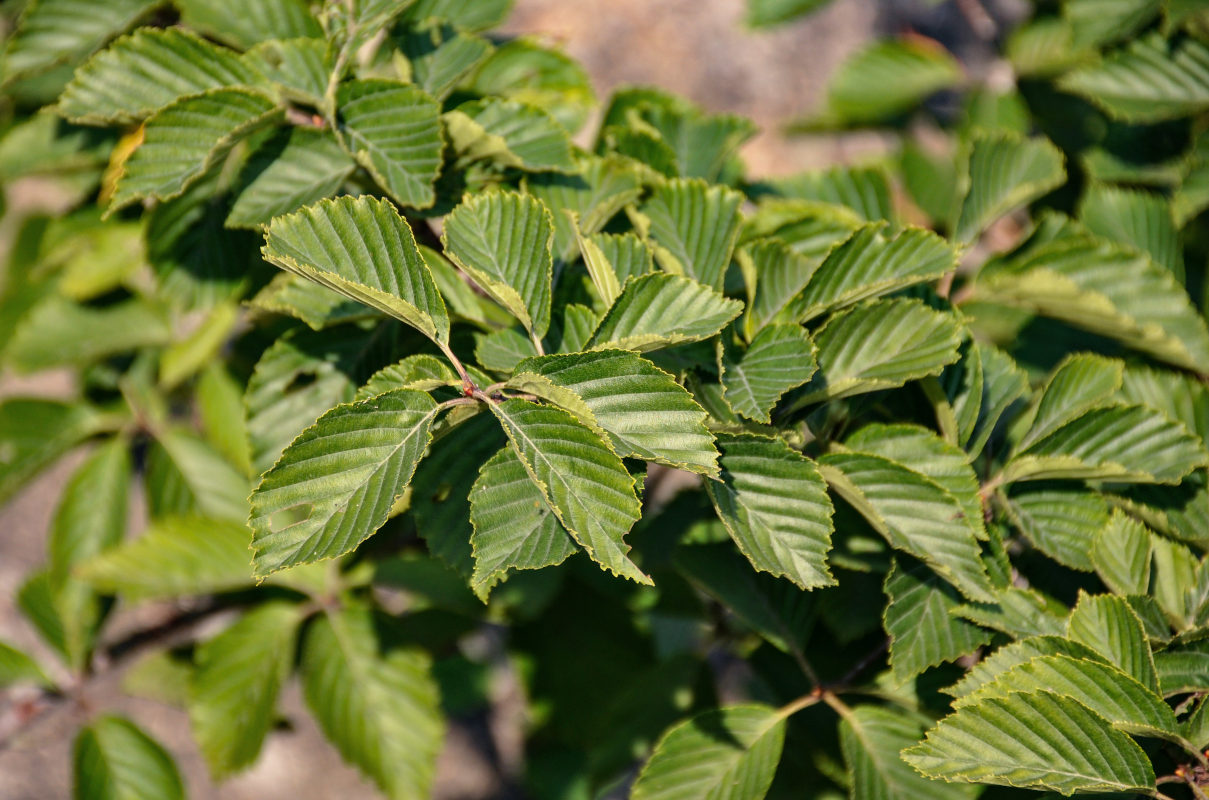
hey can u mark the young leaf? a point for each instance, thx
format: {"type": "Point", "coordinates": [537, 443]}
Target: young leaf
{"type": "Point", "coordinates": [871, 738]}
{"type": "Point", "coordinates": [141, 73]}
{"type": "Point", "coordinates": [865, 190]}
{"type": "Point", "coordinates": [502, 240]}
{"type": "Point", "coordinates": [1039, 740]}
{"type": "Point", "coordinates": [115, 760]}
{"type": "Point", "coordinates": [727, 753]}
{"type": "Point", "coordinates": [780, 358]}
{"type": "Point", "coordinates": [298, 68]}
{"type": "Point", "coordinates": [1005, 171]}
{"type": "Point", "coordinates": [695, 226]}
{"type": "Point", "coordinates": [659, 310]}
{"type": "Point", "coordinates": [298, 167]}
{"type": "Point", "coordinates": [509, 133]}
{"type": "Point", "coordinates": [601, 188]}
{"type": "Point", "coordinates": [335, 484]}
{"type": "Point", "coordinates": [919, 620]}
{"type": "Point", "coordinates": [775, 505]}
{"type": "Point", "coordinates": [378, 706]}
{"type": "Point", "coordinates": [581, 478]}
{"type": "Point", "coordinates": [421, 372]}
{"type": "Point", "coordinates": [394, 130]}
{"type": "Point", "coordinates": [775, 277]}
{"type": "Point", "coordinates": [1109, 626]}
{"type": "Point", "coordinates": [514, 528]}
{"type": "Point", "coordinates": [184, 139]}
{"type": "Point", "coordinates": [641, 408]}
{"type": "Point", "coordinates": [361, 248]}
{"type": "Point", "coordinates": [233, 693]}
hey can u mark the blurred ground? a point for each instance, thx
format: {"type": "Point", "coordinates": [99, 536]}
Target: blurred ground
{"type": "Point", "coordinates": [697, 48]}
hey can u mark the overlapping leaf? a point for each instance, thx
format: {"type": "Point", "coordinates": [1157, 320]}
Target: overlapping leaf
{"type": "Point", "coordinates": [441, 55]}
{"type": "Point", "coordinates": [775, 277]}
{"type": "Point", "coordinates": [1005, 171]}
{"type": "Point", "coordinates": [115, 760]}
{"type": "Point", "coordinates": [245, 23]}
{"type": "Point", "coordinates": [871, 738]}
{"type": "Point", "coordinates": [54, 31]}
{"type": "Point", "coordinates": [299, 167]}
{"type": "Point", "coordinates": [509, 133]}
{"type": "Point", "coordinates": [601, 188]}
{"type": "Point", "coordinates": [918, 618]}
{"type": "Point", "coordinates": [779, 358]}
{"type": "Point", "coordinates": [888, 78]}
{"type": "Point", "coordinates": [1139, 218]}
{"type": "Point", "coordinates": [1077, 385]}
{"type": "Point", "coordinates": [1109, 626]}
{"type": "Point", "coordinates": [659, 310]}
{"type": "Point", "coordinates": [1060, 519]}
{"type": "Point", "coordinates": [695, 227]}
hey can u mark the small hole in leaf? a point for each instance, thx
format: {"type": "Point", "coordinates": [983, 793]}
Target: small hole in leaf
{"type": "Point", "coordinates": [300, 382]}
{"type": "Point", "coordinates": [287, 517]}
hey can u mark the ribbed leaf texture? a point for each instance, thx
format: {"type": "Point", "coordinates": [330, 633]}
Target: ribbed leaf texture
{"type": "Point", "coordinates": [51, 32]}
{"type": "Point", "coordinates": [775, 505]}
{"type": "Point", "coordinates": [1005, 171]}
{"type": "Point", "coordinates": [514, 528]}
{"type": "Point", "coordinates": [361, 248]}
{"type": "Point", "coordinates": [377, 704]}
{"type": "Point", "coordinates": [147, 70]}
{"type": "Point", "coordinates": [182, 140]}
{"type": "Point", "coordinates": [421, 372]}
{"type": "Point", "coordinates": [1120, 553]}
{"type": "Point", "coordinates": [914, 513]}
{"type": "Point", "coordinates": [726, 754]}
{"type": "Point", "coordinates": [92, 511]}
{"type": "Point", "coordinates": [598, 191]}
{"type": "Point", "coordinates": [233, 693]}
{"type": "Point", "coordinates": [888, 78]}
{"type": "Point", "coordinates": [694, 226]}
{"type": "Point", "coordinates": [923, 631]}
{"type": "Point", "coordinates": [641, 408]}
{"type": "Point", "coordinates": [865, 190]}
{"type": "Point", "coordinates": [1135, 217]}
{"type": "Point", "coordinates": [394, 130]}
{"type": "Point", "coordinates": [511, 134]}
{"type": "Point", "coordinates": [247, 22]}
{"type": "Point", "coordinates": [1038, 740]}
{"type": "Point", "coordinates": [502, 240]}
{"type": "Point", "coordinates": [581, 478]}
{"type": "Point", "coordinates": [335, 485]}
{"type": "Point", "coordinates": [174, 556]}
{"type": "Point", "coordinates": [775, 277]}
{"type": "Point", "coordinates": [1149, 79]}
{"type": "Point", "coordinates": [441, 56]}
{"type": "Point", "coordinates": [1077, 385]}
{"type": "Point", "coordinates": [780, 358]}
{"type": "Point", "coordinates": [1108, 625]}
{"type": "Point", "coordinates": [298, 167]}
{"type": "Point", "coordinates": [871, 738]}
{"type": "Point", "coordinates": [870, 264]}
{"type": "Point", "coordinates": [115, 760]}
{"type": "Point", "coordinates": [1061, 519]}
{"type": "Point", "coordinates": [659, 310]}
{"type": "Point", "coordinates": [1019, 652]}
{"type": "Point", "coordinates": [879, 345]}
{"type": "Point", "coordinates": [299, 68]}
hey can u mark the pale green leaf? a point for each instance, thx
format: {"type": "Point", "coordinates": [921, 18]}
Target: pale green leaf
{"type": "Point", "coordinates": [1019, 652]}
{"type": "Point", "coordinates": [865, 190]}
{"type": "Point", "coordinates": [775, 505]}
{"type": "Point", "coordinates": [502, 350]}
{"type": "Point", "coordinates": [221, 411]}
{"type": "Point", "coordinates": [727, 753]}
{"type": "Point", "coordinates": [995, 384]}
{"type": "Point", "coordinates": [1018, 612]}
{"type": "Point", "coordinates": [18, 668]}
{"type": "Point", "coordinates": [470, 15]}
{"type": "Point", "coordinates": [658, 310]}
{"type": "Point", "coordinates": [641, 408]}
{"type": "Point", "coordinates": [185, 475]}
{"type": "Point", "coordinates": [377, 704]}
{"type": "Point", "coordinates": [1060, 519]}
{"type": "Point", "coordinates": [775, 276]}
{"type": "Point", "coordinates": [114, 760]}
{"type": "Point", "coordinates": [1098, 22]}
{"type": "Point", "coordinates": [871, 738]}
{"type": "Point", "coordinates": [184, 139]}
{"type": "Point", "coordinates": [502, 240]}
{"type": "Point", "coordinates": [1182, 670]}
{"type": "Point", "coordinates": [335, 484]}
{"type": "Point", "coordinates": [51, 32]}
{"type": "Point", "coordinates": [1181, 397]}
{"type": "Point", "coordinates": [1175, 579]}
{"type": "Point", "coordinates": [582, 480]}
{"type": "Point", "coordinates": [1038, 740]}
{"type": "Point", "coordinates": [421, 372]}
{"type": "Point", "coordinates": [1134, 217]}
{"type": "Point", "coordinates": [1108, 625]}
{"type": "Point", "coordinates": [441, 55]}
{"type": "Point", "coordinates": [92, 511]}
{"type": "Point", "coordinates": [233, 692]}
{"type": "Point", "coordinates": [1121, 555]}
{"type": "Point", "coordinates": [780, 358]}
{"type": "Point", "coordinates": [1078, 384]}
{"type": "Point", "coordinates": [59, 332]}
{"type": "Point", "coordinates": [361, 248]}
{"type": "Point", "coordinates": [702, 145]}
{"type": "Point", "coordinates": [394, 130]}
{"type": "Point", "coordinates": [601, 188]}
{"type": "Point", "coordinates": [34, 432]}
{"type": "Point", "coordinates": [247, 22]}
{"type": "Point", "coordinates": [514, 528]}
{"type": "Point", "coordinates": [918, 618]}
{"type": "Point", "coordinates": [298, 167]}
{"type": "Point", "coordinates": [1005, 171]}
{"type": "Point", "coordinates": [695, 227]}
{"type": "Point", "coordinates": [889, 77]}
{"type": "Point", "coordinates": [145, 71]}
{"type": "Point", "coordinates": [541, 76]}
{"type": "Point", "coordinates": [298, 68]}
{"type": "Point", "coordinates": [318, 306]}
{"type": "Point", "coordinates": [578, 323]}
{"type": "Point", "coordinates": [766, 13]}
{"type": "Point", "coordinates": [509, 133]}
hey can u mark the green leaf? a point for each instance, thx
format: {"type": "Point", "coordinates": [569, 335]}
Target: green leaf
{"type": "Point", "coordinates": [141, 73]}
{"type": "Point", "coordinates": [727, 753]}
{"type": "Point", "coordinates": [502, 350]}
{"type": "Point", "coordinates": [51, 32]}
{"type": "Point", "coordinates": [247, 22]}
{"type": "Point", "coordinates": [879, 345]}
{"type": "Point", "coordinates": [914, 513]}
{"type": "Point", "coordinates": [421, 372]}
{"type": "Point", "coordinates": [780, 358]}
{"type": "Point", "coordinates": [543, 77]}
{"type": "Point", "coordinates": [394, 130]}
{"type": "Point", "coordinates": [604, 277]}
{"type": "Point", "coordinates": [233, 693]}
{"type": "Point", "coordinates": [18, 668]}
{"type": "Point", "coordinates": [871, 738]}
{"type": "Point", "coordinates": [1134, 444]}
{"type": "Point", "coordinates": [865, 190]}
{"type": "Point", "coordinates": [869, 265]}
{"type": "Point", "coordinates": [378, 706]}
{"type": "Point", "coordinates": [701, 145]}
{"type": "Point", "coordinates": [658, 310]}
{"type": "Point", "coordinates": [766, 13]}
{"type": "Point", "coordinates": [1018, 652]}
{"type": "Point", "coordinates": [1149, 79]}
{"type": "Point", "coordinates": [220, 407]}
{"type": "Point", "coordinates": [641, 408]}
{"type": "Point", "coordinates": [919, 620]}
{"type": "Point", "coordinates": [514, 528]}
{"type": "Point", "coordinates": [502, 240]}
{"type": "Point", "coordinates": [468, 15]}
{"type": "Point", "coordinates": [59, 332]}
{"type": "Point", "coordinates": [1095, 22]}
{"type": "Point", "coordinates": [1121, 555]}
{"type": "Point", "coordinates": [174, 556]}
{"type": "Point", "coordinates": [33, 433]}
{"type": "Point", "coordinates": [184, 139]}
{"type": "Point", "coordinates": [1182, 670]}
{"type": "Point", "coordinates": [1109, 626]}
{"type": "Point", "coordinates": [298, 68]}
{"type": "Point", "coordinates": [1109, 290]}
{"type": "Point", "coordinates": [1081, 382]}
{"type": "Point", "coordinates": [774, 504]}
{"type": "Point", "coordinates": [510, 134]}
{"type": "Point", "coordinates": [298, 167]}
{"type": "Point", "coordinates": [441, 56]}
{"type": "Point", "coordinates": [695, 227]}
{"type": "Point", "coordinates": [1134, 217]}
{"type": "Point", "coordinates": [91, 515]}
{"type": "Point", "coordinates": [361, 248]}
{"type": "Point", "coordinates": [1005, 171]}
{"type": "Point", "coordinates": [995, 382]}
{"type": "Point", "coordinates": [596, 193]}
{"type": "Point", "coordinates": [1181, 397]}
{"type": "Point", "coordinates": [1060, 519]}
{"type": "Point", "coordinates": [888, 78]}
{"type": "Point", "coordinates": [335, 484]}
{"type": "Point", "coordinates": [1037, 740]}
{"type": "Point", "coordinates": [581, 478]}
{"type": "Point", "coordinates": [185, 475]}
{"type": "Point", "coordinates": [775, 276]}
{"type": "Point", "coordinates": [1018, 613]}
{"type": "Point", "coordinates": [114, 760]}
